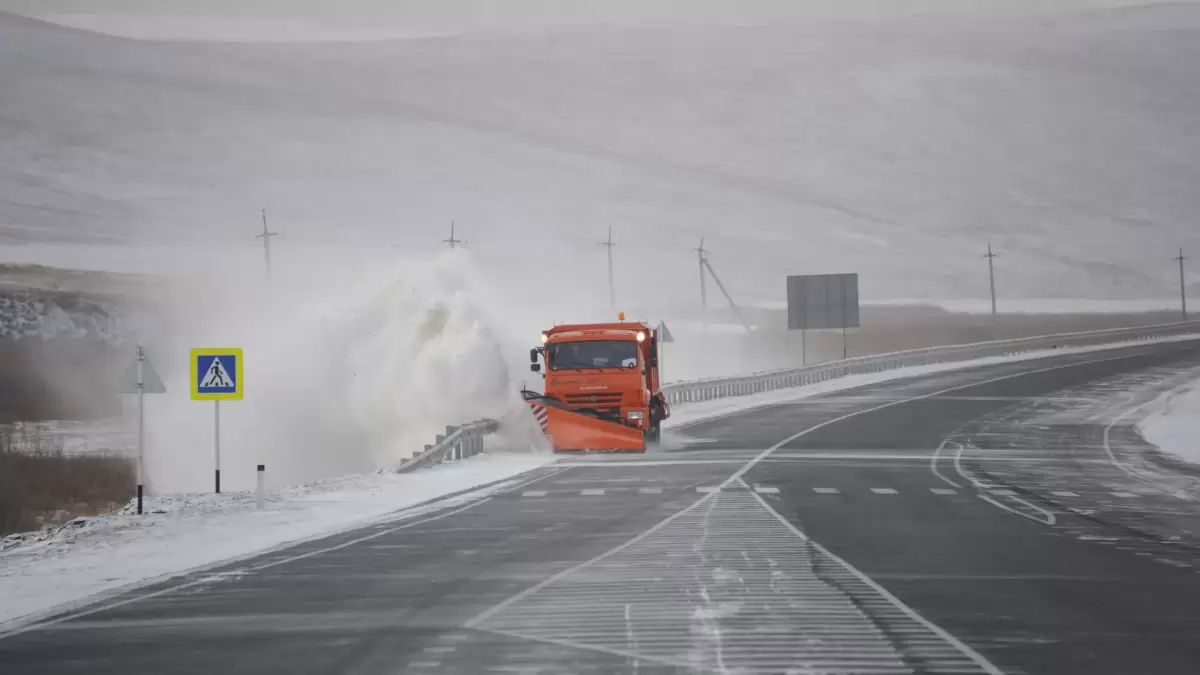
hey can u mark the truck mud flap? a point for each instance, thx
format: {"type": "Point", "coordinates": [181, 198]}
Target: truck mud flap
{"type": "Point", "coordinates": [570, 431]}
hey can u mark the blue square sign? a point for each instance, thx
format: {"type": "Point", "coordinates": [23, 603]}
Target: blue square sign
{"type": "Point", "coordinates": [217, 374]}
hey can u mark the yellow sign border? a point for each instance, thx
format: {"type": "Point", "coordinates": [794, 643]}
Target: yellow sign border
{"type": "Point", "coordinates": [241, 374]}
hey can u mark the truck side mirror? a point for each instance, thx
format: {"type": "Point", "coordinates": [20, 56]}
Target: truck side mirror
{"type": "Point", "coordinates": [533, 355]}
{"type": "Point", "coordinates": [652, 359]}
{"type": "Point", "coordinates": [535, 367]}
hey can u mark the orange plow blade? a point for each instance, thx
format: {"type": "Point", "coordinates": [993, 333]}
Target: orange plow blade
{"type": "Point", "coordinates": [569, 431]}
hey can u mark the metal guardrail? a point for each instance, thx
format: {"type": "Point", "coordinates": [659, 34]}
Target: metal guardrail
{"type": "Point", "coordinates": [466, 441]}
{"type": "Point", "coordinates": [457, 443]}
{"type": "Point", "coordinates": [725, 387]}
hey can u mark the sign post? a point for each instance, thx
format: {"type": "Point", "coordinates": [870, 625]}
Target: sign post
{"type": "Point", "coordinates": [217, 375]}
{"type": "Point", "coordinates": [141, 379]}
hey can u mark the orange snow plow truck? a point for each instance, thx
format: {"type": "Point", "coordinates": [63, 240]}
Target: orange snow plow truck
{"type": "Point", "coordinates": [602, 389]}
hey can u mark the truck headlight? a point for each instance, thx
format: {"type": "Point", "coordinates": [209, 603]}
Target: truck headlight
{"type": "Point", "coordinates": [634, 414]}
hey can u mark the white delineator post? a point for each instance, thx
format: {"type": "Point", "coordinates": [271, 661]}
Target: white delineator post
{"type": "Point", "coordinates": [261, 490]}
{"type": "Point", "coordinates": [141, 387]}
{"type": "Point", "coordinates": [217, 445]}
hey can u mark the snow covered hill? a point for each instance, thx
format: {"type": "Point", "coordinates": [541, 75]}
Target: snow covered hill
{"type": "Point", "coordinates": [895, 148]}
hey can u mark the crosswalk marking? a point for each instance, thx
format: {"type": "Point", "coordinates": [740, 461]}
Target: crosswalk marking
{"type": "Point", "coordinates": [534, 493]}
{"type": "Point", "coordinates": [726, 586]}
{"type": "Point", "coordinates": [883, 491]}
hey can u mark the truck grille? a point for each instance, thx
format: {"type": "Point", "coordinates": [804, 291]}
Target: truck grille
{"type": "Point", "coordinates": [605, 398]}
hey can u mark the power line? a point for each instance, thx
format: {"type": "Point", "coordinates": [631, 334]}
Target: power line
{"type": "Point", "coordinates": [612, 291]}
{"type": "Point", "coordinates": [1182, 285]}
{"type": "Point", "coordinates": [702, 257]}
{"type": "Point", "coordinates": [992, 281]}
{"type": "Point", "coordinates": [454, 243]}
{"type": "Point", "coordinates": [266, 237]}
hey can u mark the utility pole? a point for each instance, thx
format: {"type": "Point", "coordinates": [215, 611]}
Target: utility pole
{"type": "Point", "coordinates": [612, 291]}
{"type": "Point", "coordinates": [454, 243]}
{"type": "Point", "coordinates": [1182, 285]}
{"type": "Point", "coordinates": [266, 237]}
{"type": "Point", "coordinates": [992, 280]}
{"type": "Point", "coordinates": [701, 256]}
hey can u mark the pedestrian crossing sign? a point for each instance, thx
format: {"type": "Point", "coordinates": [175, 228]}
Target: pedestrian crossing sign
{"type": "Point", "coordinates": [217, 374]}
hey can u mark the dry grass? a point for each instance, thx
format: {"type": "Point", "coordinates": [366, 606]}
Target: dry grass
{"type": "Point", "coordinates": [41, 486]}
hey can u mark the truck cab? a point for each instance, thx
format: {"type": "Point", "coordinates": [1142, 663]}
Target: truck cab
{"type": "Point", "coordinates": [605, 372]}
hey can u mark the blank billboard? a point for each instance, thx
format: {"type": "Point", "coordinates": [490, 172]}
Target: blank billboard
{"type": "Point", "coordinates": [822, 301]}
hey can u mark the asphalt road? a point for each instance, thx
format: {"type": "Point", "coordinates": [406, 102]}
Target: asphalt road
{"type": "Point", "coordinates": [1003, 519]}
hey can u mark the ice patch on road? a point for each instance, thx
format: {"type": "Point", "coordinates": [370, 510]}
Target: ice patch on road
{"type": "Point", "coordinates": [99, 555]}
{"type": "Point", "coordinates": [1174, 426]}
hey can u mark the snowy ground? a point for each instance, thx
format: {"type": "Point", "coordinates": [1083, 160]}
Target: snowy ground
{"type": "Point", "coordinates": [1174, 426]}
{"type": "Point", "coordinates": [101, 555]}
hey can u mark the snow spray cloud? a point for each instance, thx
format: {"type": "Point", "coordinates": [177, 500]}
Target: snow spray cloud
{"type": "Point", "coordinates": [340, 377]}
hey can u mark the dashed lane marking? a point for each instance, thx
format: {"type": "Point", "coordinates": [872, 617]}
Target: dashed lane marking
{"type": "Point", "coordinates": [766, 490]}
{"type": "Point", "coordinates": [1124, 495]}
{"type": "Point", "coordinates": [943, 491]}
{"type": "Point", "coordinates": [591, 492]}
{"type": "Point", "coordinates": [1064, 493]}
{"type": "Point", "coordinates": [826, 491]}
{"type": "Point", "coordinates": [649, 491]}
{"type": "Point", "coordinates": [883, 491]}
{"type": "Point", "coordinates": [534, 493]}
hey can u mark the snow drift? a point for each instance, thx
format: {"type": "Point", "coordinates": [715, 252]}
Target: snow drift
{"type": "Point", "coordinates": [1174, 426]}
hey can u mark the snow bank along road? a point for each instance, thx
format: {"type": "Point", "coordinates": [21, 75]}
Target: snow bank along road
{"type": "Point", "coordinates": [1000, 519]}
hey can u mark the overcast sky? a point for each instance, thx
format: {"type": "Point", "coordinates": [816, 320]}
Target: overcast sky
{"type": "Point", "coordinates": [377, 18]}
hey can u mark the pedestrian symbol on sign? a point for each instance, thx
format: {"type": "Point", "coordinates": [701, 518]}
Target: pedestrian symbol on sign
{"type": "Point", "coordinates": [217, 378]}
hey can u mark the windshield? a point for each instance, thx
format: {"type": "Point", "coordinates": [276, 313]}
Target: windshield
{"type": "Point", "coordinates": [592, 354]}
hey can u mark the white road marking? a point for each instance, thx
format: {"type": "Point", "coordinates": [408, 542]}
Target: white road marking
{"type": "Point", "coordinates": [934, 460]}
{"type": "Point", "coordinates": [826, 491]}
{"type": "Point", "coordinates": [1046, 519]}
{"type": "Point", "coordinates": [883, 491]}
{"type": "Point", "coordinates": [534, 493]}
{"type": "Point", "coordinates": [943, 491]}
{"type": "Point", "coordinates": [1064, 493]}
{"type": "Point", "coordinates": [708, 489]}
{"type": "Point", "coordinates": [1004, 493]}
{"type": "Point", "coordinates": [649, 491]}
{"type": "Point", "coordinates": [591, 492]}
{"type": "Point", "coordinates": [1125, 495]}
{"type": "Point", "coordinates": [766, 490]}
